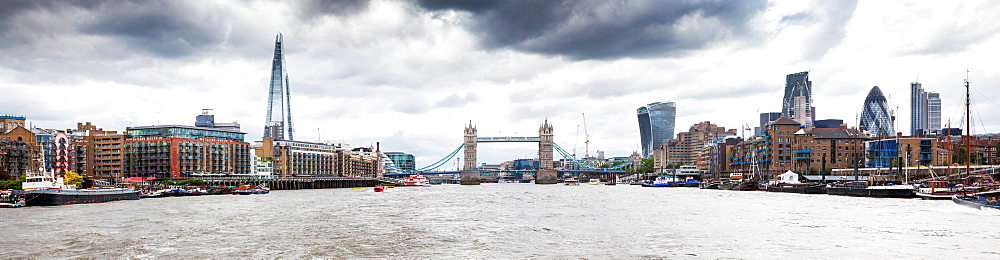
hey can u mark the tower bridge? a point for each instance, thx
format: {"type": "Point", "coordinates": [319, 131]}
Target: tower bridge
{"type": "Point", "coordinates": [471, 175]}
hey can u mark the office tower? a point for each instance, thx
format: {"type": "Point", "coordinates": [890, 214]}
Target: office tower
{"type": "Point", "coordinates": [279, 112]}
{"type": "Point", "coordinates": [875, 116]}
{"type": "Point", "coordinates": [797, 102]}
{"type": "Point", "coordinates": [656, 125]}
{"type": "Point", "coordinates": [925, 110]}
{"type": "Point", "coordinates": [766, 118]}
{"type": "Point", "coordinates": [918, 109]}
{"type": "Point", "coordinates": [933, 112]}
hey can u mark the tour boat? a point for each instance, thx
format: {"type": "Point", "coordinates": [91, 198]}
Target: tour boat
{"type": "Point", "coordinates": [46, 189]}
{"type": "Point", "coordinates": [672, 181]}
{"type": "Point", "coordinates": [247, 190]}
{"type": "Point", "coordinates": [595, 181]}
{"type": "Point", "coordinates": [414, 180]}
{"type": "Point", "coordinates": [572, 182]}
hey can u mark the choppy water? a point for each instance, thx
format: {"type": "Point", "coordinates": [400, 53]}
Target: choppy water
{"type": "Point", "coordinates": [506, 221]}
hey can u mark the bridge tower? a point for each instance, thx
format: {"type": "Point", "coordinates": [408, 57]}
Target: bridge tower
{"type": "Point", "coordinates": [545, 174]}
{"type": "Point", "coordinates": [470, 174]}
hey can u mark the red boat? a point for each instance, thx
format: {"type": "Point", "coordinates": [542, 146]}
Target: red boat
{"type": "Point", "coordinates": [379, 188]}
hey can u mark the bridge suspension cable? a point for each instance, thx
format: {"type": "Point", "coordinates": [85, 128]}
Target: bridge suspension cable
{"type": "Point", "coordinates": [432, 166]}
{"type": "Point", "coordinates": [584, 164]}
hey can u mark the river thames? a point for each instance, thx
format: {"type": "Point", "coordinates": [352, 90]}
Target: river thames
{"type": "Point", "coordinates": [506, 221]}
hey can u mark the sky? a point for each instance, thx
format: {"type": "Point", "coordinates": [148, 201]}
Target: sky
{"type": "Point", "coordinates": [411, 74]}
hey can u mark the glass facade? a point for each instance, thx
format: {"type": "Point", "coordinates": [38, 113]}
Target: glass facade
{"type": "Point", "coordinates": [801, 109]}
{"type": "Point", "coordinates": [880, 154]}
{"type": "Point", "coordinates": [933, 112]}
{"type": "Point", "coordinates": [184, 132]}
{"type": "Point", "coordinates": [404, 161]}
{"type": "Point", "coordinates": [279, 112]}
{"type": "Point", "coordinates": [656, 125]}
{"type": "Point", "coordinates": [875, 117]}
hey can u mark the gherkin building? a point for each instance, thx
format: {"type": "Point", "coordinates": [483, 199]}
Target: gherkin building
{"type": "Point", "coordinates": [875, 116]}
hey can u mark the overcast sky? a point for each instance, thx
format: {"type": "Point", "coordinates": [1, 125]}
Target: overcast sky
{"type": "Point", "coordinates": [410, 74]}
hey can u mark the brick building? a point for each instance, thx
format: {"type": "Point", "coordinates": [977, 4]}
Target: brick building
{"type": "Point", "coordinates": [298, 158]}
{"type": "Point", "coordinates": [21, 153]}
{"type": "Point", "coordinates": [97, 153]}
{"type": "Point", "coordinates": [176, 151]}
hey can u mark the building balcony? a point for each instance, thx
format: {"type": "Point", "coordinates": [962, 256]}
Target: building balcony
{"type": "Point", "coordinates": [803, 158]}
{"type": "Point", "coordinates": [802, 151]}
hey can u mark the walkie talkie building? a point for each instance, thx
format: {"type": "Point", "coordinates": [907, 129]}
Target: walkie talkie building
{"type": "Point", "coordinates": [656, 125]}
{"type": "Point", "coordinates": [279, 112]}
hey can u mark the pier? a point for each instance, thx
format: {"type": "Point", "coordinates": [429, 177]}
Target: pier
{"type": "Point", "coordinates": [296, 183]}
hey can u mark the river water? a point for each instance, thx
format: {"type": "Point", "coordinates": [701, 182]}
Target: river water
{"type": "Point", "coordinates": [505, 221]}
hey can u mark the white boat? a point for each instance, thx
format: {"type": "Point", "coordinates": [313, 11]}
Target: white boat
{"type": "Point", "coordinates": [572, 182]}
{"type": "Point", "coordinates": [414, 180]}
{"type": "Point", "coordinates": [595, 181]}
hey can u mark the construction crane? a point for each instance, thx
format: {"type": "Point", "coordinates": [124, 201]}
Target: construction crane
{"type": "Point", "coordinates": [586, 136]}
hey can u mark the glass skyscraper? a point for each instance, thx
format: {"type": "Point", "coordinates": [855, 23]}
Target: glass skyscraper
{"type": "Point", "coordinates": [279, 112]}
{"type": "Point", "coordinates": [933, 112]}
{"type": "Point", "coordinates": [797, 103]}
{"type": "Point", "coordinates": [656, 125]}
{"type": "Point", "coordinates": [875, 116]}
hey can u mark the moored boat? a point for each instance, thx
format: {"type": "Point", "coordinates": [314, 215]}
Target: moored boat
{"type": "Point", "coordinates": [943, 190]}
{"type": "Point", "coordinates": [862, 189]}
{"type": "Point", "coordinates": [789, 182]}
{"type": "Point", "coordinates": [248, 190]}
{"type": "Point", "coordinates": [672, 181]}
{"type": "Point", "coordinates": [46, 189]}
{"type": "Point", "coordinates": [740, 185]}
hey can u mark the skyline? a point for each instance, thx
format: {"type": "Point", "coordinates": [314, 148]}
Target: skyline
{"type": "Point", "coordinates": [409, 74]}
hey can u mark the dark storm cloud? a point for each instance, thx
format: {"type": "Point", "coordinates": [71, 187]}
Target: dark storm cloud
{"type": "Point", "coordinates": [605, 29]}
{"type": "Point", "coordinates": [162, 28]}
{"type": "Point", "coordinates": [166, 28]}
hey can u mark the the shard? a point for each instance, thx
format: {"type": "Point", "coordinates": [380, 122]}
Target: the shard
{"type": "Point", "coordinates": [279, 112]}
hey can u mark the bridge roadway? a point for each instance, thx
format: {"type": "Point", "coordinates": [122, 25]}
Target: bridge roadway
{"type": "Point", "coordinates": [295, 183]}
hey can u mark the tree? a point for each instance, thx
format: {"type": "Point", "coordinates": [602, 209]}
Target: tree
{"type": "Point", "coordinates": [13, 184]}
{"type": "Point", "coordinates": [647, 166]}
{"type": "Point", "coordinates": [73, 178]}
{"type": "Point", "coordinates": [959, 156]}
{"type": "Point", "coordinates": [87, 182]}
{"type": "Point", "coordinates": [193, 182]}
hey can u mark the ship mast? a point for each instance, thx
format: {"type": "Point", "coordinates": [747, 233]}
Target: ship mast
{"type": "Point", "coordinates": [968, 128]}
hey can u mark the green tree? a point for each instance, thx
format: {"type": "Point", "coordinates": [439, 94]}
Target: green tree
{"type": "Point", "coordinates": [959, 156]}
{"type": "Point", "coordinates": [647, 166]}
{"type": "Point", "coordinates": [73, 178]}
{"type": "Point", "coordinates": [13, 184]}
{"type": "Point", "coordinates": [87, 182]}
{"type": "Point", "coordinates": [191, 182]}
